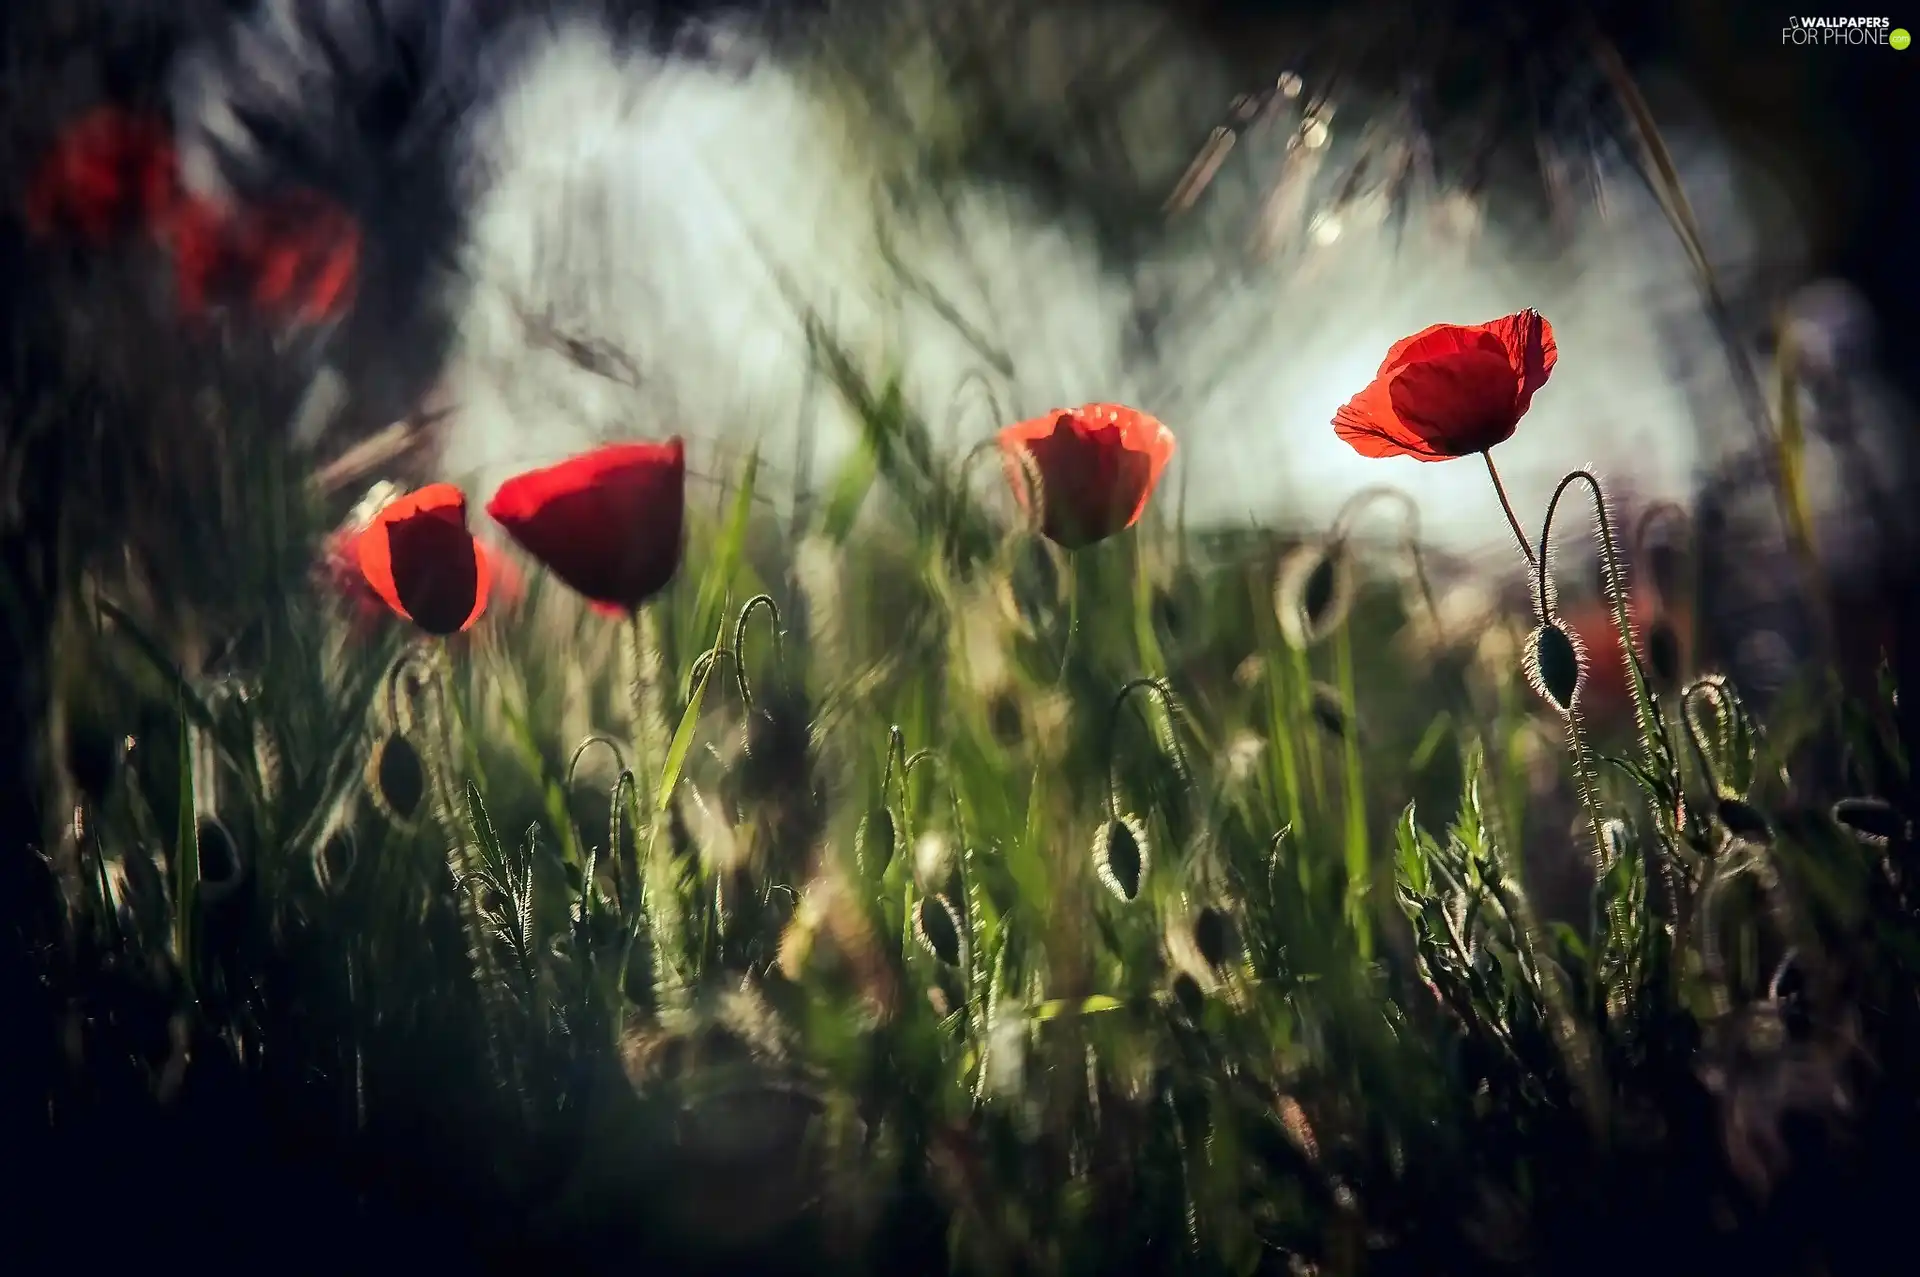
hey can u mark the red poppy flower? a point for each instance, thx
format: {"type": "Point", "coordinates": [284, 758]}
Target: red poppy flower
{"type": "Point", "coordinates": [608, 523]}
{"type": "Point", "coordinates": [1096, 466]}
{"type": "Point", "coordinates": [299, 254]}
{"type": "Point", "coordinates": [1451, 390]}
{"type": "Point", "coordinates": [295, 257]}
{"type": "Point", "coordinates": [418, 556]}
{"type": "Point", "coordinates": [107, 174]}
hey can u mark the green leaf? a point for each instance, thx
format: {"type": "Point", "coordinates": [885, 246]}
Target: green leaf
{"type": "Point", "coordinates": [689, 722]}
{"type": "Point", "coordinates": [1059, 1008]}
{"type": "Point", "coordinates": [716, 585]}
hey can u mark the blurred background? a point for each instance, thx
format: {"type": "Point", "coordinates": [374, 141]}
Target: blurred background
{"type": "Point", "coordinates": [565, 221]}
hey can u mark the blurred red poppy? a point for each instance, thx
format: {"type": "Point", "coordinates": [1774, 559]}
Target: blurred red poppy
{"type": "Point", "coordinates": [609, 523]}
{"type": "Point", "coordinates": [295, 257]}
{"type": "Point", "coordinates": [418, 557]}
{"type": "Point", "coordinates": [1606, 696]}
{"type": "Point", "coordinates": [1451, 390]}
{"type": "Point", "coordinates": [1096, 466]}
{"type": "Point", "coordinates": [109, 173]}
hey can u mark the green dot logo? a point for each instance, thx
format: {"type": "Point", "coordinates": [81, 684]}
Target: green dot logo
{"type": "Point", "coordinates": [1899, 38]}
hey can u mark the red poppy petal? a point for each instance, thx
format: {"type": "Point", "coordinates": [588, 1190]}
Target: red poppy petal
{"type": "Point", "coordinates": [1370, 427]}
{"type": "Point", "coordinates": [436, 572]}
{"type": "Point", "coordinates": [375, 557]}
{"type": "Point", "coordinates": [1527, 339]}
{"type": "Point", "coordinates": [608, 523]}
{"type": "Point", "coordinates": [484, 567]}
{"type": "Point", "coordinates": [1459, 404]}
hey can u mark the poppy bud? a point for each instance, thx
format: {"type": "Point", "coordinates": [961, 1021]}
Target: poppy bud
{"type": "Point", "coordinates": [221, 868]}
{"type": "Point", "coordinates": [1329, 712]}
{"type": "Point", "coordinates": [937, 928]}
{"type": "Point", "coordinates": [334, 860]}
{"type": "Point", "coordinates": [1313, 592]}
{"type": "Point", "coordinates": [1212, 936]}
{"type": "Point", "coordinates": [1120, 857]}
{"type": "Point", "coordinates": [1189, 998]}
{"type": "Point", "coordinates": [397, 779]}
{"type": "Point", "coordinates": [1872, 820]}
{"type": "Point", "coordinates": [1004, 719]}
{"type": "Point", "coordinates": [1744, 822]}
{"type": "Point", "coordinates": [94, 757]}
{"type": "Point", "coordinates": [1663, 654]}
{"type": "Point", "coordinates": [1554, 665]}
{"type": "Point", "coordinates": [875, 844]}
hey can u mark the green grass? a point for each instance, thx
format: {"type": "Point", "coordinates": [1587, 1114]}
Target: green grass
{"type": "Point", "coordinates": [799, 918]}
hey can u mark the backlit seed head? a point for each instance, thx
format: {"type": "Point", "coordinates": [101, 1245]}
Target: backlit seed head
{"type": "Point", "coordinates": [1188, 997]}
{"type": "Point", "coordinates": [1330, 711]}
{"type": "Point", "coordinates": [334, 860]}
{"type": "Point", "coordinates": [1663, 655]}
{"type": "Point", "coordinates": [1213, 936]}
{"type": "Point", "coordinates": [875, 844]}
{"type": "Point", "coordinates": [1872, 820]}
{"type": "Point", "coordinates": [933, 859]}
{"type": "Point", "coordinates": [221, 868]}
{"type": "Point", "coordinates": [1313, 592]}
{"type": "Point", "coordinates": [1121, 858]}
{"type": "Point", "coordinates": [1616, 836]}
{"type": "Point", "coordinates": [1744, 822]}
{"type": "Point", "coordinates": [397, 779]}
{"type": "Point", "coordinates": [937, 928]}
{"type": "Point", "coordinates": [1555, 664]}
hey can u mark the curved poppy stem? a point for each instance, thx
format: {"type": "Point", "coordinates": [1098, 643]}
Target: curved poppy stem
{"type": "Point", "coordinates": [1652, 733]}
{"type": "Point", "coordinates": [953, 796]}
{"type": "Point", "coordinates": [1409, 535]}
{"type": "Point", "coordinates": [896, 750]}
{"type": "Point", "coordinates": [1174, 711]}
{"type": "Point", "coordinates": [747, 609]}
{"type": "Point", "coordinates": [1513, 521]}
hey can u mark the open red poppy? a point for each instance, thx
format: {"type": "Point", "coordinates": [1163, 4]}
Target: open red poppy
{"type": "Point", "coordinates": [108, 174]}
{"type": "Point", "coordinates": [1096, 465]}
{"type": "Point", "coordinates": [609, 523]}
{"type": "Point", "coordinates": [1451, 390]}
{"type": "Point", "coordinates": [418, 556]}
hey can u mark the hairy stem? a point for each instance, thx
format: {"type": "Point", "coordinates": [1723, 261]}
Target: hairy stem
{"type": "Point", "coordinates": [1513, 521]}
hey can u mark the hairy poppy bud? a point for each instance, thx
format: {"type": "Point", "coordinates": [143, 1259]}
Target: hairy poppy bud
{"type": "Point", "coordinates": [875, 843]}
{"type": "Point", "coordinates": [1120, 857]}
{"type": "Point", "coordinates": [1554, 665]}
{"type": "Point", "coordinates": [397, 779]}
{"type": "Point", "coordinates": [937, 928]}
{"type": "Point", "coordinates": [1744, 822]}
{"type": "Point", "coordinates": [334, 860]}
{"type": "Point", "coordinates": [1329, 713]}
{"type": "Point", "coordinates": [1313, 592]}
{"type": "Point", "coordinates": [221, 868]}
{"type": "Point", "coordinates": [1872, 820]}
{"type": "Point", "coordinates": [1189, 997]}
{"type": "Point", "coordinates": [1213, 936]}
